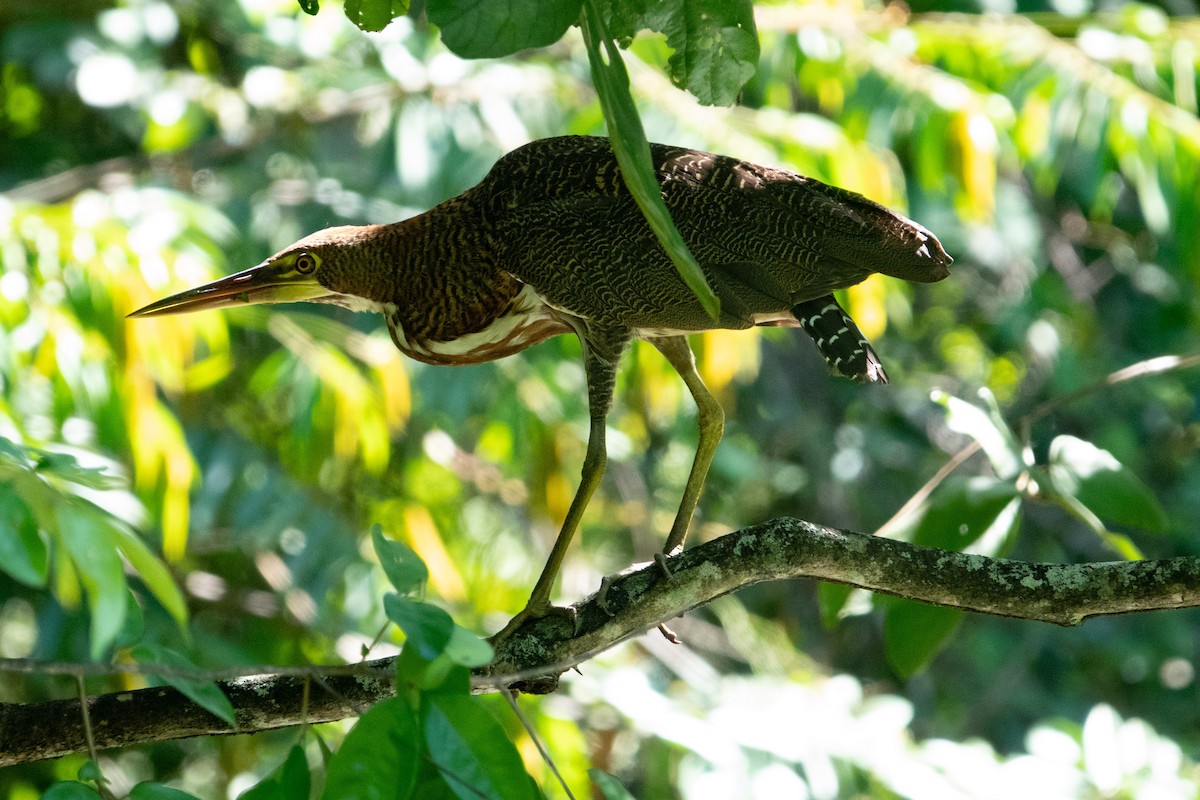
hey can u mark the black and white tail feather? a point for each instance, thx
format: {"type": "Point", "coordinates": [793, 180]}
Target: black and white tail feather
{"type": "Point", "coordinates": [842, 344]}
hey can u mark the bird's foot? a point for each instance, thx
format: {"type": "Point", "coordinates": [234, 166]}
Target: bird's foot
{"type": "Point", "coordinates": [661, 559]}
{"type": "Point", "coordinates": [602, 593]}
{"type": "Point", "coordinates": [531, 613]}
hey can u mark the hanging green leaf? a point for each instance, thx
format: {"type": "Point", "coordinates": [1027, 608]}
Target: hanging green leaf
{"type": "Point", "coordinates": [633, 152]}
{"type": "Point", "coordinates": [373, 15]}
{"type": "Point", "coordinates": [489, 30]}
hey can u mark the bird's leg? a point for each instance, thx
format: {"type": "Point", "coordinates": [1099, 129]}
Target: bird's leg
{"type": "Point", "coordinates": [711, 419]}
{"type": "Point", "coordinates": [600, 355]}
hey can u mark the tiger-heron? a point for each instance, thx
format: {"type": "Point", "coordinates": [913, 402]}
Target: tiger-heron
{"type": "Point", "coordinates": [551, 242]}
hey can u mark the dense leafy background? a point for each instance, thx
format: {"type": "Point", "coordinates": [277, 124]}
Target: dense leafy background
{"type": "Point", "coordinates": [147, 147]}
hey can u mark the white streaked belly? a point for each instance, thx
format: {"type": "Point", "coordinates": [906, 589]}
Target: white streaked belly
{"type": "Point", "coordinates": [528, 321]}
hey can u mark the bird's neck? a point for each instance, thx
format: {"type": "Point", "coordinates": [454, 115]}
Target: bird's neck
{"type": "Point", "coordinates": [438, 280]}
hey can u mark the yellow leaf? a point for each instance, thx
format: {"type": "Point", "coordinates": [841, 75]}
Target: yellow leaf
{"type": "Point", "coordinates": [865, 301]}
{"type": "Point", "coordinates": [426, 541]}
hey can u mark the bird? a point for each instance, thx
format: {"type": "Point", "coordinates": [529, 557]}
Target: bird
{"type": "Point", "coordinates": [551, 242]}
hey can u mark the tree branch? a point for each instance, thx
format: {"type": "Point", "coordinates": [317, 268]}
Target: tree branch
{"type": "Point", "coordinates": [533, 657]}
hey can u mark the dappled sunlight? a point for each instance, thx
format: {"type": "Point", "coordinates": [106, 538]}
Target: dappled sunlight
{"type": "Point", "coordinates": [207, 482]}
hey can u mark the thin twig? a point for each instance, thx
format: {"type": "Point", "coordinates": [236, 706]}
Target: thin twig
{"type": "Point", "coordinates": [537, 741]}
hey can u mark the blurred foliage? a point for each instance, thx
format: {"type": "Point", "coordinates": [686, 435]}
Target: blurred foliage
{"type": "Point", "coordinates": [150, 147]}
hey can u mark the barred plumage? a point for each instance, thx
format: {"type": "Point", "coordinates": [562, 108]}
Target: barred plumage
{"type": "Point", "coordinates": [842, 344]}
{"type": "Point", "coordinates": [551, 242]}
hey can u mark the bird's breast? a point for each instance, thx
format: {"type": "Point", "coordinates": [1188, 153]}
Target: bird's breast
{"type": "Point", "coordinates": [523, 322]}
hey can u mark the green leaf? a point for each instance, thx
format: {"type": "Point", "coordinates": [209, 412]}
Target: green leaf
{"type": "Point", "coordinates": [963, 511]}
{"type": "Point", "coordinates": [64, 466]}
{"type": "Point", "coordinates": [404, 568]}
{"type": "Point", "coordinates": [472, 751]}
{"type": "Point", "coordinates": [633, 152]}
{"type": "Point", "coordinates": [987, 428]}
{"type": "Point", "coordinates": [22, 552]}
{"type": "Point", "coordinates": [610, 787]}
{"type": "Point", "coordinates": [153, 572]}
{"type": "Point", "coordinates": [1104, 485]}
{"type": "Point", "coordinates": [147, 790]}
{"type": "Point", "coordinates": [427, 627]}
{"type": "Point", "coordinates": [70, 790]}
{"type": "Point", "coordinates": [310, 6]}
{"type": "Point", "coordinates": [206, 694]}
{"type": "Point", "coordinates": [266, 789]}
{"type": "Point", "coordinates": [913, 633]}
{"type": "Point", "coordinates": [133, 629]}
{"type": "Point", "coordinates": [456, 680]}
{"type": "Point", "coordinates": [374, 15]}
{"type": "Point", "coordinates": [293, 775]}
{"type": "Point", "coordinates": [86, 533]}
{"type": "Point", "coordinates": [379, 758]}
{"type": "Point", "coordinates": [715, 42]}
{"type": "Point", "coordinates": [474, 29]}
{"type": "Point", "coordinates": [832, 599]}
{"type": "Point", "coordinates": [89, 772]}
{"type": "Point", "coordinates": [467, 649]}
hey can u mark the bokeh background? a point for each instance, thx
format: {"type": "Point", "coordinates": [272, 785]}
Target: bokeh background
{"type": "Point", "coordinates": [147, 147]}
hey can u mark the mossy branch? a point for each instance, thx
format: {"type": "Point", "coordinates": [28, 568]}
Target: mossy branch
{"type": "Point", "coordinates": [534, 656]}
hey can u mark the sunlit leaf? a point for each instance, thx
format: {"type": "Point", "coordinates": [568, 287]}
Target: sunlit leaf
{"type": "Point", "coordinates": [987, 428]}
{"type": "Point", "coordinates": [373, 15]}
{"type": "Point", "coordinates": [1103, 484]}
{"type": "Point", "coordinates": [715, 42]}
{"type": "Point", "coordinates": [489, 30]}
{"type": "Point", "coordinates": [962, 511]}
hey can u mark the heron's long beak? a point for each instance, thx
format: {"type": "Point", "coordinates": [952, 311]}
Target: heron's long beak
{"type": "Point", "coordinates": [266, 283]}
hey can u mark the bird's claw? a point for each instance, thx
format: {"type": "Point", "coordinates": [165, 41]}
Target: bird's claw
{"type": "Point", "coordinates": [602, 594]}
{"type": "Point", "coordinates": [661, 560]}
{"type": "Point", "coordinates": [529, 614]}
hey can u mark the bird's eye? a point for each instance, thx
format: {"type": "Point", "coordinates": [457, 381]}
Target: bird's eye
{"type": "Point", "coordinates": [305, 263]}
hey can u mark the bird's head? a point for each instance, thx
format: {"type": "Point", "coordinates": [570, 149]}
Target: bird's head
{"type": "Point", "coordinates": [335, 265]}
